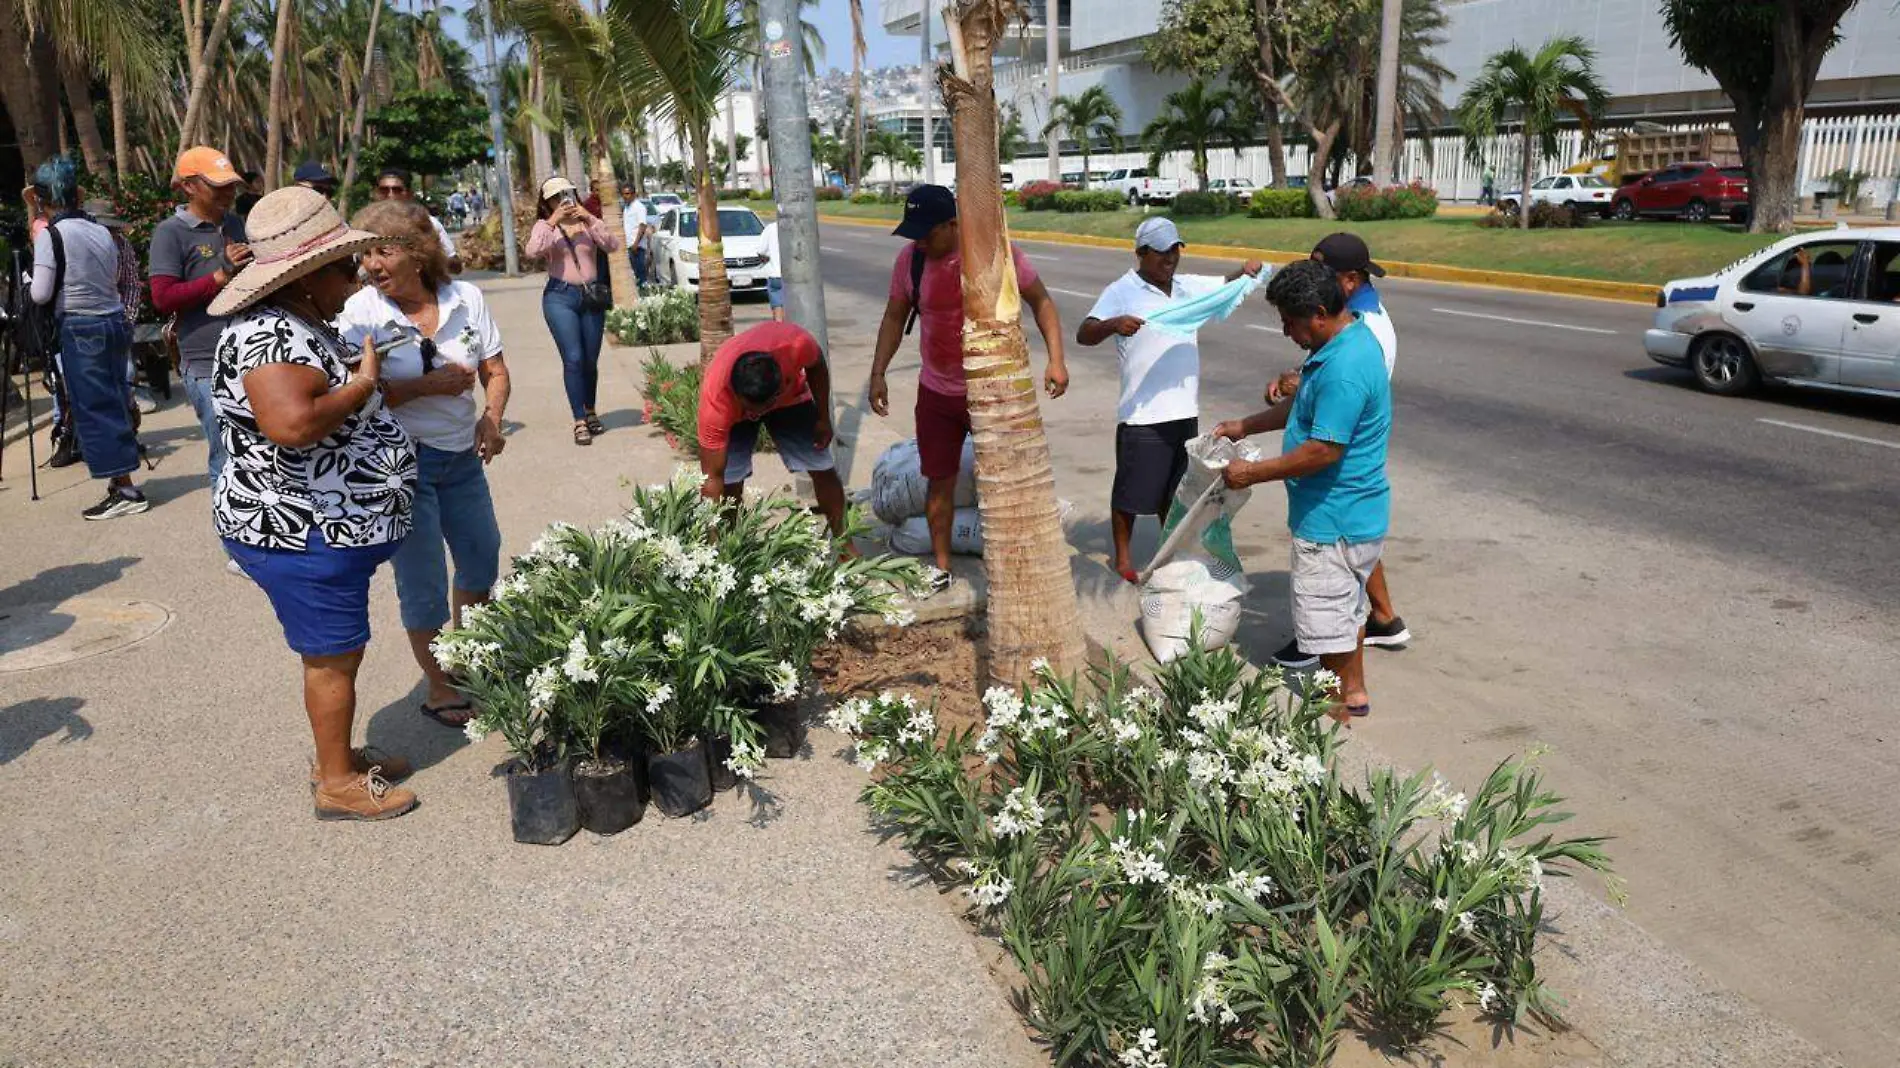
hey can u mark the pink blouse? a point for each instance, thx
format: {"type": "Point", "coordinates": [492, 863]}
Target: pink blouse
{"type": "Point", "coordinates": [570, 259]}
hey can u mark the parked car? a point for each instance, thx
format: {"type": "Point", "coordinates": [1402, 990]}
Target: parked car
{"type": "Point", "coordinates": [676, 247]}
{"type": "Point", "coordinates": [1816, 310]}
{"type": "Point", "coordinates": [1239, 188]}
{"type": "Point", "coordinates": [1138, 185]}
{"type": "Point", "coordinates": [1693, 192]}
{"type": "Point", "coordinates": [667, 201]}
{"type": "Point", "coordinates": [1581, 193]}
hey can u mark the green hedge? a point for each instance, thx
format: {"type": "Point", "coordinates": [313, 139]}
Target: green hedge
{"type": "Point", "coordinates": [1366, 204]}
{"type": "Point", "coordinates": [866, 198]}
{"type": "Point", "coordinates": [1280, 204]}
{"type": "Point", "coordinates": [828, 192]}
{"type": "Point", "coordinates": [1195, 202]}
{"type": "Point", "coordinates": [1075, 200]}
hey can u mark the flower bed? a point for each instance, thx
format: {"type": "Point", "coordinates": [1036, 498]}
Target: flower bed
{"type": "Point", "coordinates": [1184, 878]}
{"type": "Point", "coordinates": [667, 635]}
{"type": "Point", "coordinates": [672, 404]}
{"type": "Point", "coordinates": [660, 317]}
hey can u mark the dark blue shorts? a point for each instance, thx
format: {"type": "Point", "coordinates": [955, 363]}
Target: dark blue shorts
{"type": "Point", "coordinates": [321, 595]}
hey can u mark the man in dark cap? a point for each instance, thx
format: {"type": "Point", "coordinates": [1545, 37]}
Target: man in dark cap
{"type": "Point", "coordinates": [313, 175]}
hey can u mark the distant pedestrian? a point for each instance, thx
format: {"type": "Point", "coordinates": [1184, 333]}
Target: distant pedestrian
{"type": "Point", "coordinates": [131, 292]}
{"type": "Point", "coordinates": [1160, 407]}
{"type": "Point", "coordinates": [458, 208]}
{"type": "Point", "coordinates": [76, 269]}
{"type": "Point", "coordinates": [776, 376]}
{"type": "Point", "coordinates": [193, 256]}
{"type": "Point", "coordinates": [318, 491]}
{"type": "Point", "coordinates": [248, 193]}
{"type": "Point", "coordinates": [774, 272]}
{"type": "Point", "coordinates": [927, 290]}
{"type": "Point", "coordinates": [395, 184]}
{"type": "Point", "coordinates": [313, 175]}
{"type": "Point", "coordinates": [1332, 459]}
{"type": "Point", "coordinates": [1489, 193]}
{"type": "Point", "coordinates": [636, 224]}
{"type": "Point", "coordinates": [438, 344]}
{"type": "Point", "coordinates": [566, 235]}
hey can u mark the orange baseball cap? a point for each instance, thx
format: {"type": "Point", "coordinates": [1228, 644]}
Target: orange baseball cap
{"type": "Point", "coordinates": [207, 163]}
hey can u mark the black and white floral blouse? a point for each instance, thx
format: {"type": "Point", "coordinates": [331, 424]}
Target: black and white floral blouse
{"type": "Point", "coordinates": [355, 485]}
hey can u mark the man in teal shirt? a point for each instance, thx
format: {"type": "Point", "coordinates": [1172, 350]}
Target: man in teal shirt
{"type": "Point", "coordinates": [1332, 460]}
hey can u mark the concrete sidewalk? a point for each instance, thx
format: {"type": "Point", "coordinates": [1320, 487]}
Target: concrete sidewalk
{"type": "Point", "coordinates": [170, 900]}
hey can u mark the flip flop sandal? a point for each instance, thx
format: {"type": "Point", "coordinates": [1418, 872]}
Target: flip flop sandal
{"type": "Point", "coordinates": [595, 426]}
{"type": "Point", "coordinates": [582, 435]}
{"type": "Point", "coordinates": [441, 715]}
{"type": "Point", "coordinates": [1359, 711]}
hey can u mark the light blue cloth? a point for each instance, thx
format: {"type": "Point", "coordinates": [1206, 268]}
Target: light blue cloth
{"type": "Point", "coordinates": [1188, 316]}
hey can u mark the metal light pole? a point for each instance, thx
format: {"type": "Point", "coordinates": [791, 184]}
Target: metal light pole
{"type": "Point", "coordinates": [1384, 169]}
{"type": "Point", "coordinates": [924, 88]}
{"type": "Point", "coordinates": [786, 118]}
{"type": "Point", "coordinates": [504, 174]}
{"type": "Point", "coordinates": [1051, 16]}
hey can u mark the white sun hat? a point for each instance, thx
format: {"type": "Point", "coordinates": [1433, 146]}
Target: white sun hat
{"type": "Point", "coordinates": [292, 232]}
{"type": "Point", "coordinates": [555, 186]}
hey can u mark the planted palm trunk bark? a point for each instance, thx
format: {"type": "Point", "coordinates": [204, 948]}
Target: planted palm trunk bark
{"type": "Point", "coordinates": [1032, 607]}
{"type": "Point", "coordinates": [715, 292]}
{"type": "Point", "coordinates": [619, 269]}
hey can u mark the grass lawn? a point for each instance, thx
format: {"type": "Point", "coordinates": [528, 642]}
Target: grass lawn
{"type": "Point", "coordinates": [1644, 252]}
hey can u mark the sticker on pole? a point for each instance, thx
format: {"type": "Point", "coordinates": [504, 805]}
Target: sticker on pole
{"type": "Point", "coordinates": [779, 49]}
{"type": "Point", "coordinates": [774, 30]}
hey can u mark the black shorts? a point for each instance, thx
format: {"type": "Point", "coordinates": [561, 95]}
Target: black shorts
{"type": "Point", "coordinates": [1149, 462]}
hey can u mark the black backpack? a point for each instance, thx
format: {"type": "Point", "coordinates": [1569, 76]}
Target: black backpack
{"type": "Point", "coordinates": [916, 284]}
{"type": "Point", "coordinates": [36, 331]}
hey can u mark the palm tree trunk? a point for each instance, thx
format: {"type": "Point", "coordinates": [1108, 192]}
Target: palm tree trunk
{"type": "Point", "coordinates": [193, 18]}
{"type": "Point", "coordinates": [1524, 190]}
{"type": "Point", "coordinates": [21, 86]}
{"type": "Point", "coordinates": [79, 99]}
{"type": "Point", "coordinates": [1032, 607]}
{"type": "Point", "coordinates": [1084, 142]}
{"type": "Point", "coordinates": [274, 119]}
{"type": "Point", "coordinates": [731, 177]}
{"type": "Point", "coordinates": [121, 142]}
{"type": "Point", "coordinates": [571, 155]}
{"type": "Point", "coordinates": [201, 78]}
{"type": "Point", "coordinates": [715, 292]}
{"type": "Point", "coordinates": [362, 108]}
{"type": "Point", "coordinates": [540, 149]}
{"type": "Point", "coordinates": [619, 268]}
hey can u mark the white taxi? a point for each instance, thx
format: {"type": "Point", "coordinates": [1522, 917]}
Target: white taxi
{"type": "Point", "coordinates": [1817, 310]}
{"type": "Point", "coordinates": [741, 231]}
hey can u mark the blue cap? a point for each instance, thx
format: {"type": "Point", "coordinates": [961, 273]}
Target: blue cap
{"type": "Point", "coordinates": [313, 172]}
{"type": "Point", "coordinates": [925, 208]}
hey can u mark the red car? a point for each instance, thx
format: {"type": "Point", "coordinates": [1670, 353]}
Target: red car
{"type": "Point", "coordinates": [1694, 192]}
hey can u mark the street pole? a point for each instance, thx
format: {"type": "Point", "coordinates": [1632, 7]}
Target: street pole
{"type": "Point", "coordinates": [1384, 165]}
{"type": "Point", "coordinates": [786, 118]}
{"type": "Point", "coordinates": [1051, 15]}
{"type": "Point", "coordinates": [925, 69]}
{"type": "Point", "coordinates": [504, 174]}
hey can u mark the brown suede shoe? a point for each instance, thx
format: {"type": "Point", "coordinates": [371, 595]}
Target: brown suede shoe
{"type": "Point", "coordinates": [365, 797]}
{"type": "Point", "coordinates": [393, 767]}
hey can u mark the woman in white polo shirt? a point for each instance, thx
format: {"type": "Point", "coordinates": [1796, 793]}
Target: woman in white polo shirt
{"type": "Point", "coordinates": [437, 343]}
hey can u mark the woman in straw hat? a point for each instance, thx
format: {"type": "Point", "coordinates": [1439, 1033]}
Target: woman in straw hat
{"type": "Point", "coordinates": [316, 493]}
{"type": "Point", "coordinates": [568, 237]}
{"type": "Point", "coordinates": [439, 344]}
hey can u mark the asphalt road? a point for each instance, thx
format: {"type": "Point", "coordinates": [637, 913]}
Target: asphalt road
{"type": "Point", "coordinates": [1686, 597]}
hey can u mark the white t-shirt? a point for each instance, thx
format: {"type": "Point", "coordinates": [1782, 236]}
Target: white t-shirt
{"type": "Point", "coordinates": [632, 218]}
{"type": "Point", "coordinates": [467, 335]}
{"type": "Point", "coordinates": [773, 268]}
{"type": "Point", "coordinates": [1380, 323]}
{"type": "Point", "coordinates": [442, 235]}
{"type": "Point", "coordinates": [1160, 370]}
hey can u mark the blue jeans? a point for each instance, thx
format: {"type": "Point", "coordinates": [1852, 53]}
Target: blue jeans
{"type": "Point", "coordinates": [198, 391]}
{"type": "Point", "coordinates": [639, 255]}
{"type": "Point", "coordinates": [452, 505]}
{"type": "Point", "coordinates": [577, 335]}
{"type": "Point", "coordinates": [93, 351]}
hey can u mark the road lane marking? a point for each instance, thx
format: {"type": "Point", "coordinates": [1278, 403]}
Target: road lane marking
{"type": "Point", "coordinates": [1524, 322]}
{"type": "Point", "coordinates": [828, 248]}
{"type": "Point", "coordinates": [1256, 326]}
{"type": "Point", "coordinates": [1824, 432]}
{"type": "Point", "coordinates": [1073, 293]}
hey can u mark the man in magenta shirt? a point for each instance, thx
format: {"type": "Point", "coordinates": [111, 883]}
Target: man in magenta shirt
{"type": "Point", "coordinates": [943, 408]}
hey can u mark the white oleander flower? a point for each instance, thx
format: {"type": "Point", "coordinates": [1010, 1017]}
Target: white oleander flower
{"type": "Point", "coordinates": [746, 759]}
{"type": "Point", "coordinates": [1126, 732]}
{"type": "Point", "coordinates": [615, 648]}
{"type": "Point", "coordinates": [900, 617]}
{"type": "Point", "coordinates": [921, 727]}
{"type": "Point", "coordinates": [1325, 681]}
{"type": "Point", "coordinates": [1208, 1004]}
{"type": "Point", "coordinates": [1138, 866]}
{"type": "Point", "coordinates": [872, 753]}
{"type": "Point", "coordinates": [1145, 1053]}
{"type": "Point", "coordinates": [673, 640]}
{"type": "Point", "coordinates": [1021, 813]}
{"type": "Point", "coordinates": [1488, 998]}
{"type": "Point", "coordinates": [1166, 759]}
{"type": "Point", "coordinates": [1439, 904]}
{"type": "Point", "coordinates": [544, 686]}
{"type": "Point", "coordinates": [848, 717]}
{"type": "Point", "coordinates": [474, 729]}
{"type": "Point", "coordinates": [1039, 665]}
{"type": "Point", "coordinates": [659, 698]}
{"type": "Point", "coordinates": [1253, 886]}
{"type": "Point", "coordinates": [1467, 923]}
{"type": "Point", "coordinates": [785, 682]}
{"type": "Point", "coordinates": [578, 666]}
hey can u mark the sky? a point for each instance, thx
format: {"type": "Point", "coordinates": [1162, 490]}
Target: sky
{"type": "Point", "coordinates": [833, 19]}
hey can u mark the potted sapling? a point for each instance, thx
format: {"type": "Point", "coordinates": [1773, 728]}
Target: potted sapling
{"type": "Point", "coordinates": [609, 789]}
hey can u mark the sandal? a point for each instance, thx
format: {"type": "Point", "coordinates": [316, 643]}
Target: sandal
{"type": "Point", "coordinates": [594, 425]}
{"type": "Point", "coordinates": [441, 715]}
{"type": "Point", "coordinates": [582, 435]}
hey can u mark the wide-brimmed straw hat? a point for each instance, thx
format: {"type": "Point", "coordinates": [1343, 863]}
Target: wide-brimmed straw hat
{"type": "Point", "coordinates": [292, 232]}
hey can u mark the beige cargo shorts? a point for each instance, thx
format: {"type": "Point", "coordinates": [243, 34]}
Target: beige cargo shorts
{"type": "Point", "coordinates": [1329, 593]}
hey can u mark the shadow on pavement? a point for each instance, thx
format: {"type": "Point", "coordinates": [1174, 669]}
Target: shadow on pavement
{"type": "Point", "coordinates": [24, 724]}
{"type": "Point", "coordinates": [55, 584]}
{"type": "Point", "coordinates": [173, 487]}
{"type": "Point", "coordinates": [398, 727]}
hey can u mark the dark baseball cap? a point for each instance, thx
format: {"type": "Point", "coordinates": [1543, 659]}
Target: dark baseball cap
{"type": "Point", "coordinates": [1347, 252]}
{"type": "Point", "coordinates": [313, 172]}
{"type": "Point", "coordinates": [924, 209]}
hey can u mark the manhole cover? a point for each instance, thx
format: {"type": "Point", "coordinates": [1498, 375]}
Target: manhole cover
{"type": "Point", "coordinates": [58, 632]}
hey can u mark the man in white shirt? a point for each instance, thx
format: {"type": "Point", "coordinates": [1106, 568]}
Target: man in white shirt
{"type": "Point", "coordinates": [1160, 406]}
{"type": "Point", "coordinates": [634, 223]}
{"type": "Point", "coordinates": [774, 273]}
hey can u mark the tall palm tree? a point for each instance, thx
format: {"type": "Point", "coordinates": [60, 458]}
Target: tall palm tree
{"type": "Point", "coordinates": [894, 149]}
{"type": "Point", "coordinates": [52, 45]}
{"type": "Point", "coordinates": [362, 107]}
{"type": "Point", "coordinates": [1011, 139]}
{"type": "Point", "coordinates": [1088, 116]}
{"type": "Point", "coordinates": [1539, 90]}
{"type": "Point", "coordinates": [683, 53]}
{"type": "Point", "coordinates": [274, 120]}
{"type": "Point", "coordinates": [1032, 608]}
{"type": "Point", "coordinates": [857, 91]}
{"type": "Point", "coordinates": [1198, 119]}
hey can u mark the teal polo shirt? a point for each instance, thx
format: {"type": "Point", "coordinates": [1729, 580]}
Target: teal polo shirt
{"type": "Point", "coordinates": [1345, 398]}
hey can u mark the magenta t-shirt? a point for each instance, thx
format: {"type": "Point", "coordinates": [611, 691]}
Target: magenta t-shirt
{"type": "Point", "coordinates": [940, 314]}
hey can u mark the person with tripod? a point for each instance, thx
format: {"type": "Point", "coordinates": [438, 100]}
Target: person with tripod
{"type": "Point", "coordinates": [76, 271]}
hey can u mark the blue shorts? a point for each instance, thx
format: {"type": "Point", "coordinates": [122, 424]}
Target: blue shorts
{"type": "Point", "coordinates": [321, 595]}
{"type": "Point", "coordinates": [452, 508]}
{"type": "Point", "coordinates": [775, 292]}
{"type": "Point", "coordinates": [793, 431]}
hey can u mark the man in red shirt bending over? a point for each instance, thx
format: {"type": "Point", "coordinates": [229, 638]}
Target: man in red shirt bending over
{"type": "Point", "coordinates": [774, 374]}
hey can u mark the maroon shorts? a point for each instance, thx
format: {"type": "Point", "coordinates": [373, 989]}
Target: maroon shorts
{"type": "Point", "coordinates": [943, 421]}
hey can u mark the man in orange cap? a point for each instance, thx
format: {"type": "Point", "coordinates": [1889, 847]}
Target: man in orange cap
{"type": "Point", "coordinates": [194, 254]}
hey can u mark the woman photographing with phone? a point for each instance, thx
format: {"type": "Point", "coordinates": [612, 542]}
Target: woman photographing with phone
{"type": "Point", "coordinates": [438, 343]}
{"type": "Point", "coordinates": [316, 492]}
{"type": "Point", "coordinates": [576, 299]}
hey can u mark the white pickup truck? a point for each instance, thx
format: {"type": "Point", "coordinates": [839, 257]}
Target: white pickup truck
{"type": "Point", "coordinates": [1138, 185]}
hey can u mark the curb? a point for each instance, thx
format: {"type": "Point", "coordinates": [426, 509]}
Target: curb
{"type": "Point", "coordinates": [1626, 292]}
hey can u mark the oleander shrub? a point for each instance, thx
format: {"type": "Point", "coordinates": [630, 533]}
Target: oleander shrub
{"type": "Point", "coordinates": [1363, 203]}
{"type": "Point", "coordinates": [662, 316]}
{"type": "Point", "coordinates": [828, 192]}
{"type": "Point", "coordinates": [1543, 217]}
{"type": "Point", "coordinates": [1195, 202]}
{"type": "Point", "coordinates": [1078, 200]}
{"type": "Point", "coordinates": [1280, 204]}
{"type": "Point", "coordinates": [865, 196]}
{"type": "Point", "coordinates": [1039, 195]}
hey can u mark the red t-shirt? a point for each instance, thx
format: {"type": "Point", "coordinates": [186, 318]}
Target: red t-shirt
{"type": "Point", "coordinates": [940, 314]}
{"type": "Point", "coordinates": [719, 408]}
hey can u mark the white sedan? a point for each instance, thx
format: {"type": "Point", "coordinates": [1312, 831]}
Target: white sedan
{"type": "Point", "coordinates": [676, 248]}
{"type": "Point", "coordinates": [1815, 310]}
{"type": "Point", "coordinates": [1584, 193]}
{"type": "Point", "coordinates": [1239, 187]}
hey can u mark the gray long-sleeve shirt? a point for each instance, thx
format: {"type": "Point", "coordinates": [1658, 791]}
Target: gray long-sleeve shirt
{"type": "Point", "coordinates": [91, 285]}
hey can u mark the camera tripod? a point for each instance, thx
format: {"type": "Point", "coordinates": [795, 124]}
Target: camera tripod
{"type": "Point", "coordinates": [10, 321]}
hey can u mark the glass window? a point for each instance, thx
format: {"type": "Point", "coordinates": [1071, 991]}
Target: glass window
{"type": "Point", "coordinates": [1562, 183]}
{"type": "Point", "coordinates": [1816, 269]}
{"type": "Point", "coordinates": [733, 222]}
{"type": "Point", "coordinates": [1883, 282]}
{"type": "Point", "coordinates": [1727, 172]}
{"type": "Point", "coordinates": [1543, 183]}
{"type": "Point", "coordinates": [1591, 181]}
